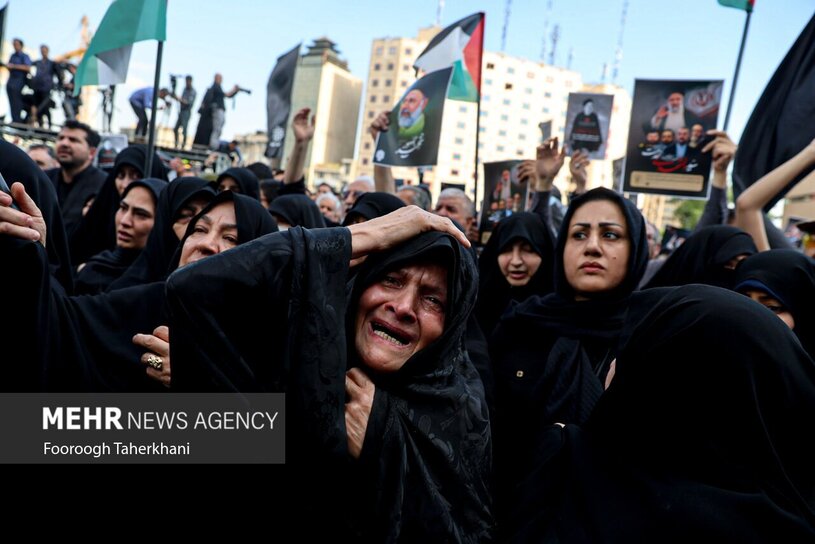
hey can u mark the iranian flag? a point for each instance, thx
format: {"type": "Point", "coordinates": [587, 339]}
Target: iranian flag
{"type": "Point", "coordinates": [460, 45]}
{"type": "Point", "coordinates": [746, 5]}
{"type": "Point", "coordinates": [125, 23]}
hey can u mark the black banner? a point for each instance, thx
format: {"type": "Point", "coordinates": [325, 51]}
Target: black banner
{"type": "Point", "coordinates": [278, 101]}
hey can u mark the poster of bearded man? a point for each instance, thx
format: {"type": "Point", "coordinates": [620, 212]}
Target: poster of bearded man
{"type": "Point", "coordinates": [415, 124]}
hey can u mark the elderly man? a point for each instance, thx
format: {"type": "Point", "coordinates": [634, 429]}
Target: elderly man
{"type": "Point", "coordinates": [43, 155]}
{"type": "Point", "coordinates": [411, 114]}
{"type": "Point", "coordinates": [361, 185]}
{"type": "Point", "coordinates": [455, 204]}
{"type": "Point", "coordinates": [673, 115]}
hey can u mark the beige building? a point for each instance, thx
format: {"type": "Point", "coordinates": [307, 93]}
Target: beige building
{"type": "Point", "coordinates": [516, 95]}
{"type": "Point", "coordinates": [323, 83]}
{"type": "Point", "coordinates": [800, 202]}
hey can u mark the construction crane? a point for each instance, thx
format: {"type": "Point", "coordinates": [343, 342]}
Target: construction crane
{"type": "Point", "coordinates": [85, 39]}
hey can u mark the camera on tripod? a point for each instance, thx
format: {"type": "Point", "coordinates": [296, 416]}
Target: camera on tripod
{"type": "Point", "coordinates": [174, 81]}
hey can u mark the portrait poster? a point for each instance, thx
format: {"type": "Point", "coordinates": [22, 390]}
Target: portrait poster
{"type": "Point", "coordinates": [587, 121]}
{"type": "Point", "coordinates": [107, 150]}
{"type": "Point", "coordinates": [415, 124]}
{"type": "Point", "coordinates": [504, 194]}
{"type": "Point", "coordinates": [669, 121]}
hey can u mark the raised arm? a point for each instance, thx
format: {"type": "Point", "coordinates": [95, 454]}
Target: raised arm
{"type": "Point", "coordinates": [750, 204]}
{"type": "Point", "coordinates": [303, 133]}
{"type": "Point", "coordinates": [383, 175]}
{"type": "Point", "coordinates": [723, 149]}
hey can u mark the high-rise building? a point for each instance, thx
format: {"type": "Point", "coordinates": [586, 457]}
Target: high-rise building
{"type": "Point", "coordinates": [323, 83]}
{"type": "Point", "coordinates": [516, 96]}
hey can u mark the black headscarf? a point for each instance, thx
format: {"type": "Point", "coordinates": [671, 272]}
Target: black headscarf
{"type": "Point", "coordinates": [16, 165]}
{"type": "Point", "coordinates": [701, 258]}
{"type": "Point", "coordinates": [372, 205]}
{"type": "Point", "coordinates": [424, 465]}
{"type": "Point", "coordinates": [105, 267]}
{"type": "Point", "coordinates": [153, 264]}
{"type": "Point", "coordinates": [97, 231]}
{"type": "Point", "coordinates": [495, 293]}
{"type": "Point", "coordinates": [551, 353]}
{"type": "Point", "coordinates": [246, 180]}
{"type": "Point", "coordinates": [788, 276]}
{"type": "Point", "coordinates": [297, 211]}
{"type": "Point", "coordinates": [686, 442]}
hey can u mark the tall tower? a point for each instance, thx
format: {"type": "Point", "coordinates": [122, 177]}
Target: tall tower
{"type": "Point", "coordinates": [323, 83]}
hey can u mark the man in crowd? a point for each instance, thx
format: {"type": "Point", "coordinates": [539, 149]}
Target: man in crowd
{"type": "Point", "coordinates": [185, 102]}
{"type": "Point", "coordinates": [140, 101]}
{"type": "Point", "coordinates": [19, 65]}
{"type": "Point", "coordinates": [360, 186]}
{"type": "Point", "coordinates": [213, 105]}
{"type": "Point", "coordinates": [455, 204]}
{"type": "Point", "coordinates": [42, 84]}
{"type": "Point", "coordinates": [44, 156]}
{"type": "Point", "coordinates": [75, 180]}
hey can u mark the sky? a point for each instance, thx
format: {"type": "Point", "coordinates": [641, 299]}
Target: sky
{"type": "Point", "coordinates": [663, 39]}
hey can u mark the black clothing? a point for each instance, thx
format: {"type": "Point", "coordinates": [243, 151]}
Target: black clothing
{"type": "Point", "coordinates": [495, 294]}
{"type": "Point", "coordinates": [551, 354]}
{"type": "Point", "coordinates": [103, 268]}
{"type": "Point", "coordinates": [153, 264]}
{"type": "Point", "coordinates": [97, 231]}
{"type": "Point", "coordinates": [246, 180]}
{"type": "Point", "coordinates": [16, 165]}
{"type": "Point", "coordinates": [73, 196]}
{"type": "Point", "coordinates": [789, 277]}
{"type": "Point", "coordinates": [372, 205]}
{"type": "Point", "coordinates": [297, 211]}
{"type": "Point", "coordinates": [698, 437]}
{"type": "Point", "coordinates": [703, 256]}
{"type": "Point", "coordinates": [423, 471]}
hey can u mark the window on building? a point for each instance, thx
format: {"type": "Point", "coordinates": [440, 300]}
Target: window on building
{"type": "Point", "coordinates": [530, 75]}
{"type": "Point", "coordinates": [485, 98]}
{"type": "Point", "coordinates": [482, 129]}
{"type": "Point", "coordinates": [405, 67]}
{"type": "Point", "coordinates": [456, 156]}
{"type": "Point", "coordinates": [550, 79]}
{"type": "Point", "coordinates": [524, 121]}
{"type": "Point", "coordinates": [370, 115]}
{"type": "Point", "coordinates": [462, 109]}
{"type": "Point", "coordinates": [379, 51]}
{"type": "Point", "coordinates": [505, 118]}
{"type": "Point", "coordinates": [391, 50]}
{"type": "Point", "coordinates": [499, 148]}
{"type": "Point", "coordinates": [461, 124]}
{"type": "Point", "coordinates": [528, 90]}
{"type": "Point", "coordinates": [545, 110]}
{"type": "Point", "coordinates": [390, 66]}
{"type": "Point", "coordinates": [367, 145]}
{"type": "Point", "coordinates": [520, 152]}
{"type": "Point", "coordinates": [502, 133]}
{"type": "Point", "coordinates": [408, 51]}
{"type": "Point", "coordinates": [522, 136]}
{"type": "Point", "coordinates": [388, 82]}
{"type": "Point", "coordinates": [403, 83]}
{"type": "Point", "coordinates": [454, 172]}
{"type": "Point", "coordinates": [490, 66]}
{"type": "Point", "coordinates": [459, 141]}
{"type": "Point", "coordinates": [386, 99]}
{"type": "Point", "coordinates": [375, 83]}
{"type": "Point", "coordinates": [377, 66]}
{"type": "Point", "coordinates": [507, 101]}
{"type": "Point", "coordinates": [508, 86]}
{"type": "Point", "coordinates": [480, 146]}
{"type": "Point", "coordinates": [364, 161]}
{"type": "Point", "coordinates": [547, 94]}
{"type": "Point", "coordinates": [373, 98]}
{"type": "Point", "coordinates": [510, 70]}
{"type": "Point", "coordinates": [525, 106]}
{"type": "Point", "coordinates": [483, 113]}
{"type": "Point", "coordinates": [488, 81]}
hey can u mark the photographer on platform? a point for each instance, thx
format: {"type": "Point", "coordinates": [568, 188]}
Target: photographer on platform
{"type": "Point", "coordinates": [213, 105]}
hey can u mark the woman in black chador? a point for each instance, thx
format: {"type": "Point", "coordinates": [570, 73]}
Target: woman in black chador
{"type": "Point", "coordinates": [698, 437]}
{"type": "Point", "coordinates": [551, 354]}
{"type": "Point", "coordinates": [85, 343]}
{"type": "Point", "coordinates": [388, 435]}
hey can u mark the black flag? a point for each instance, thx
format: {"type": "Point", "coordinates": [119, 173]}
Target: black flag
{"type": "Point", "coordinates": [278, 101]}
{"type": "Point", "coordinates": [781, 123]}
{"type": "Point", "coordinates": [2, 23]}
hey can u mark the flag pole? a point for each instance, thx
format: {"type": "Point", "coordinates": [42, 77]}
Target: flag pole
{"type": "Point", "coordinates": [478, 112]}
{"type": "Point", "coordinates": [736, 75]}
{"type": "Point", "coordinates": [148, 165]}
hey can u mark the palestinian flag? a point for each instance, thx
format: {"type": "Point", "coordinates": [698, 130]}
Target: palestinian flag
{"type": "Point", "coordinates": [746, 5]}
{"type": "Point", "coordinates": [125, 23]}
{"type": "Point", "coordinates": [460, 45]}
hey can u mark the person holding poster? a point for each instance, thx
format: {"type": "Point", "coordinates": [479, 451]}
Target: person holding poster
{"type": "Point", "coordinates": [588, 115]}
